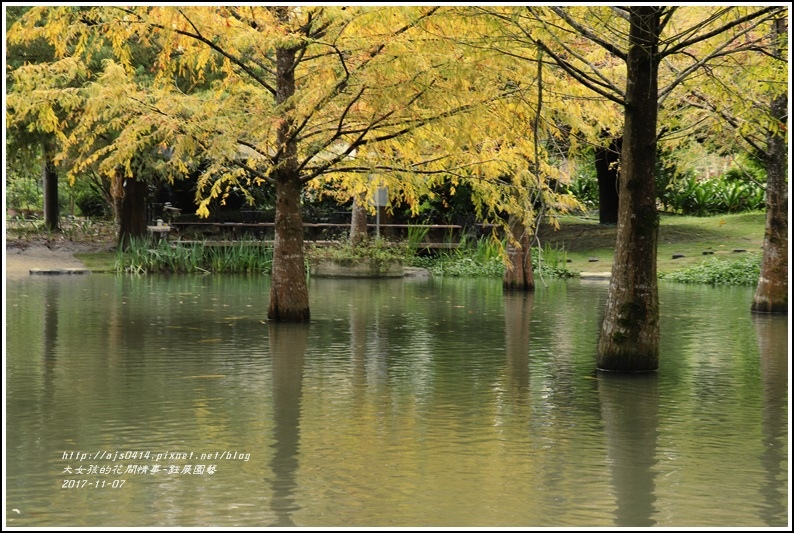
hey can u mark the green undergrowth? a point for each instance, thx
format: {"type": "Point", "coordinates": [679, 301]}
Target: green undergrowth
{"type": "Point", "coordinates": [484, 257]}
{"type": "Point", "coordinates": [377, 251]}
{"type": "Point", "coordinates": [744, 270]}
{"type": "Point", "coordinates": [690, 250]}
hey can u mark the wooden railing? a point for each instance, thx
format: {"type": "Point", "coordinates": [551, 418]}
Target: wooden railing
{"type": "Point", "coordinates": [436, 236]}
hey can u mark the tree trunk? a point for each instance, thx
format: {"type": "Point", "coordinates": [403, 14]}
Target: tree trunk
{"type": "Point", "coordinates": [518, 274]}
{"type": "Point", "coordinates": [358, 224]}
{"type": "Point", "coordinates": [771, 294]}
{"type": "Point", "coordinates": [607, 160]}
{"type": "Point", "coordinates": [116, 195]}
{"type": "Point", "coordinates": [132, 212]}
{"type": "Point", "coordinates": [629, 340]}
{"type": "Point", "coordinates": [289, 294]}
{"type": "Point", "coordinates": [49, 178]}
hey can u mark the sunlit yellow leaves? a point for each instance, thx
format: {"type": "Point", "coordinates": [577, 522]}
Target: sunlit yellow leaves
{"type": "Point", "coordinates": [725, 102]}
{"type": "Point", "coordinates": [411, 96]}
{"type": "Point", "coordinates": [44, 96]}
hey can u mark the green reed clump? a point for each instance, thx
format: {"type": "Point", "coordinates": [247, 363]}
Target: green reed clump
{"type": "Point", "coordinates": [742, 270]}
{"type": "Point", "coordinates": [144, 256]}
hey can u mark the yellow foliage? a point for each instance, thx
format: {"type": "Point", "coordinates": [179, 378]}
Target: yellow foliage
{"type": "Point", "coordinates": [407, 97]}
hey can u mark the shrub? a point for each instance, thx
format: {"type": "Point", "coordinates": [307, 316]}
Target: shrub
{"type": "Point", "coordinates": [377, 251]}
{"type": "Point", "coordinates": [584, 186]}
{"type": "Point", "coordinates": [713, 196]}
{"type": "Point", "coordinates": [91, 204]}
{"type": "Point", "coordinates": [23, 192]}
{"type": "Point", "coordinates": [743, 270]}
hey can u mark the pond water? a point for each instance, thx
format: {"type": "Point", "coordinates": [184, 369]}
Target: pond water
{"type": "Point", "coordinates": [170, 401]}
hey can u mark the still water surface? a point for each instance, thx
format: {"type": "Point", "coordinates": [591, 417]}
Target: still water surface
{"type": "Point", "coordinates": [404, 403]}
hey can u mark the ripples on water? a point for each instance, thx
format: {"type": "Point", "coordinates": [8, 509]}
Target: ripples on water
{"type": "Point", "coordinates": [403, 403]}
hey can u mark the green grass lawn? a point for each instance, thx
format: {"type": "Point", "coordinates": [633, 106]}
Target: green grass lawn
{"type": "Point", "coordinates": [584, 238]}
{"type": "Point", "coordinates": [98, 261]}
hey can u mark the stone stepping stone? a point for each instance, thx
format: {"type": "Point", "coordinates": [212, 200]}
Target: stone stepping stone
{"type": "Point", "coordinates": [595, 275]}
{"type": "Point", "coordinates": [56, 271]}
{"type": "Point", "coordinates": [678, 256]}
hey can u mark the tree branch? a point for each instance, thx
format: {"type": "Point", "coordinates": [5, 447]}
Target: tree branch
{"type": "Point", "coordinates": [718, 52]}
{"type": "Point", "coordinates": [581, 77]}
{"type": "Point", "coordinates": [590, 35]}
{"type": "Point", "coordinates": [722, 29]}
{"type": "Point", "coordinates": [198, 37]}
{"type": "Point", "coordinates": [253, 171]}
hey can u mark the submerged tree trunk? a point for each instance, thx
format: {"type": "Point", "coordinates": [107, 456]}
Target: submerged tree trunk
{"type": "Point", "coordinates": [518, 274]}
{"type": "Point", "coordinates": [771, 294]}
{"type": "Point", "coordinates": [358, 224]}
{"type": "Point", "coordinates": [607, 160]}
{"type": "Point", "coordinates": [49, 177]}
{"type": "Point", "coordinates": [629, 340]}
{"type": "Point", "coordinates": [289, 294]}
{"type": "Point", "coordinates": [132, 212]}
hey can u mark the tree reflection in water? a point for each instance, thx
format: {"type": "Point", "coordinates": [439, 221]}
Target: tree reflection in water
{"type": "Point", "coordinates": [287, 351]}
{"type": "Point", "coordinates": [629, 409]}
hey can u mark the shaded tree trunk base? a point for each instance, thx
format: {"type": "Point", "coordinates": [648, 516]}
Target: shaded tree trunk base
{"type": "Point", "coordinates": [518, 276]}
{"type": "Point", "coordinates": [49, 178]}
{"type": "Point", "coordinates": [770, 298]}
{"type": "Point", "coordinates": [628, 365]}
{"type": "Point", "coordinates": [769, 308]}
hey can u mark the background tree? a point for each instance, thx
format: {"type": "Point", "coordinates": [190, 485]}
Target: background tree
{"type": "Point", "coordinates": [538, 127]}
{"type": "Point", "coordinates": [771, 295]}
{"type": "Point", "coordinates": [324, 96]}
{"type": "Point", "coordinates": [33, 134]}
{"type": "Point", "coordinates": [607, 165]}
{"type": "Point", "coordinates": [49, 94]}
{"type": "Point", "coordinates": [741, 105]}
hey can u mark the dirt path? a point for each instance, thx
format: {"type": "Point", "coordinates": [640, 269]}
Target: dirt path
{"type": "Point", "coordinates": [18, 261]}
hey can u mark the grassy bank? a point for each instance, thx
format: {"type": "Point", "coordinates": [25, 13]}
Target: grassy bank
{"type": "Point", "coordinates": [584, 239]}
{"type": "Point", "coordinates": [586, 245]}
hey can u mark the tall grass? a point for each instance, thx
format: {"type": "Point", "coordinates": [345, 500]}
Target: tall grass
{"type": "Point", "coordinates": [143, 256]}
{"type": "Point", "coordinates": [551, 261]}
{"type": "Point", "coordinates": [416, 234]}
